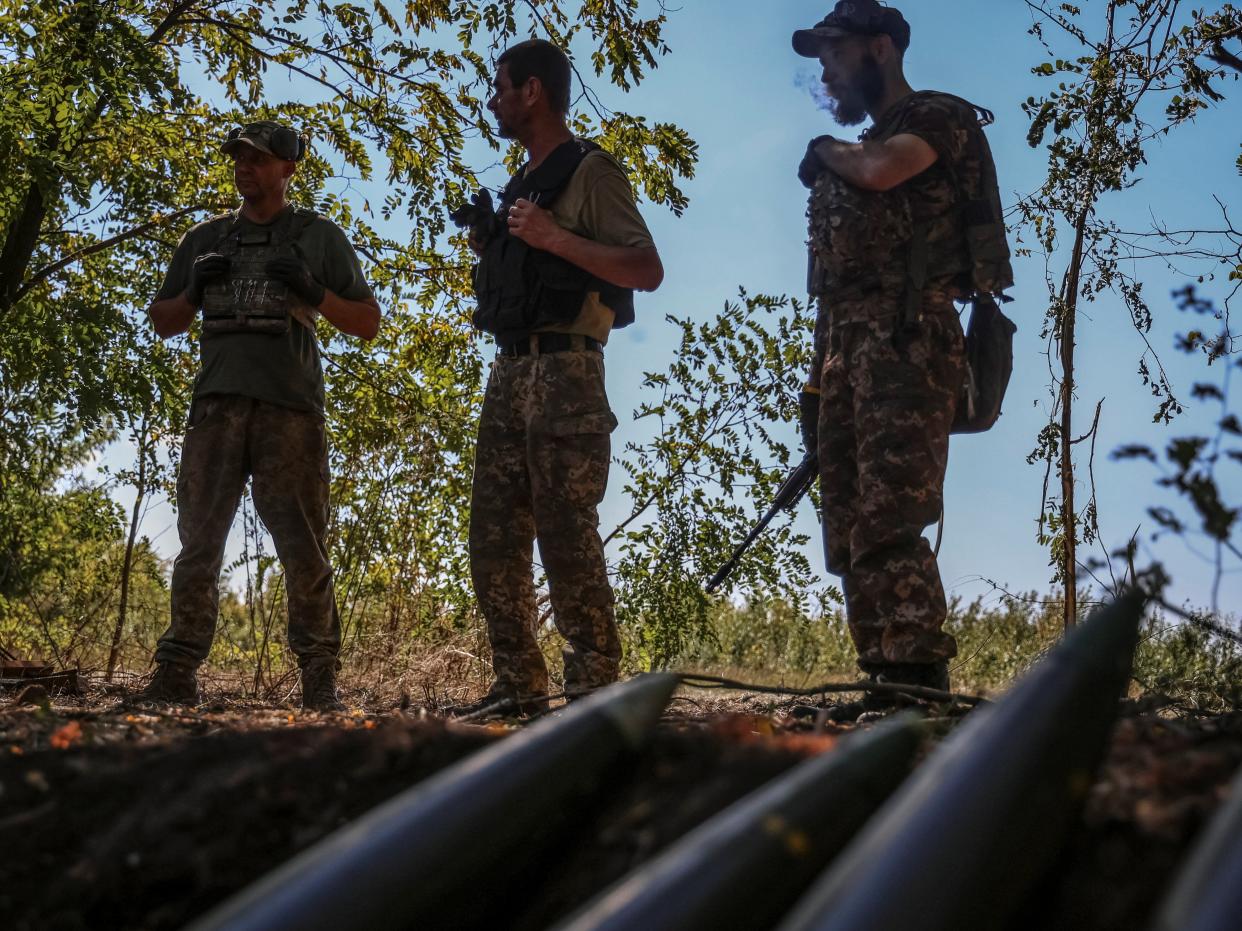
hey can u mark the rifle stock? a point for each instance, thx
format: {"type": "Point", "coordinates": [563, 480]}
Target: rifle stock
{"type": "Point", "coordinates": [787, 496]}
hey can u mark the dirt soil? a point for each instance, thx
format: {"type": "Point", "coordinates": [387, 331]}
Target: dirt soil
{"type": "Point", "coordinates": [114, 818]}
{"type": "Point", "coordinates": [1164, 777]}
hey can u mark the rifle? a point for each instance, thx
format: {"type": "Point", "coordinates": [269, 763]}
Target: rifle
{"type": "Point", "coordinates": [791, 491]}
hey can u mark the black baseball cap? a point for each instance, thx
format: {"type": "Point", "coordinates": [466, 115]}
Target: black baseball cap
{"type": "Point", "coordinates": [854, 18]}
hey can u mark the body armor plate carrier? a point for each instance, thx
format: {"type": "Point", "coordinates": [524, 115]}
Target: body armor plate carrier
{"type": "Point", "coordinates": [521, 290]}
{"type": "Point", "coordinates": [248, 299]}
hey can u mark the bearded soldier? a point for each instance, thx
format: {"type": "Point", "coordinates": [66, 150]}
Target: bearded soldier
{"type": "Point", "coordinates": [902, 225]}
{"type": "Point", "coordinates": [260, 277]}
{"type": "Point", "coordinates": [557, 269]}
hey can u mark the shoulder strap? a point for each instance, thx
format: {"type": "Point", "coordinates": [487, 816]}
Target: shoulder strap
{"type": "Point", "coordinates": [302, 219]}
{"type": "Point", "coordinates": [909, 311]}
{"type": "Point", "coordinates": [294, 223]}
{"type": "Point", "coordinates": [545, 183]}
{"type": "Point", "coordinates": [228, 223]}
{"type": "Point", "coordinates": [982, 114]}
{"type": "Point", "coordinates": [985, 116]}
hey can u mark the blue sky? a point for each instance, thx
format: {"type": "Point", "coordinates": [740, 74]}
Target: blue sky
{"type": "Point", "coordinates": [733, 81]}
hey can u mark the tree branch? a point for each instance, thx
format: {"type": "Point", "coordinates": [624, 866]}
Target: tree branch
{"type": "Point", "coordinates": [1223, 57]}
{"type": "Point", "coordinates": [48, 270]}
{"type": "Point", "coordinates": [170, 21]}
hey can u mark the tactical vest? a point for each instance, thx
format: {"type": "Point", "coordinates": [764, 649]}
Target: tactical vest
{"type": "Point", "coordinates": [865, 241]}
{"type": "Point", "coordinates": [859, 239]}
{"type": "Point", "coordinates": [520, 289]}
{"type": "Point", "coordinates": [248, 299]}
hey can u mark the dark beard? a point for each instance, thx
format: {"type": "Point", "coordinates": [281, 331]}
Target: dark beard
{"type": "Point", "coordinates": [863, 94]}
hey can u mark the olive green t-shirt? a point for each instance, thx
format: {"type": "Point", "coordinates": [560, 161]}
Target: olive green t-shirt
{"type": "Point", "coordinates": [598, 204]}
{"type": "Point", "coordinates": [281, 369]}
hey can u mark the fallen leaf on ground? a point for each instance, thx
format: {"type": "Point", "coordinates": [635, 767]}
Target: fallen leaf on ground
{"type": "Point", "coordinates": [67, 736]}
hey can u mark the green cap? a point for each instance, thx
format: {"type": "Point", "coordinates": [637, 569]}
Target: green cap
{"type": "Point", "coordinates": [266, 136]}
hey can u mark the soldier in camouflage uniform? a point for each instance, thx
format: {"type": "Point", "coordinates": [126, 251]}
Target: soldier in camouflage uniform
{"type": "Point", "coordinates": [902, 225]}
{"type": "Point", "coordinates": [261, 277]}
{"type": "Point", "coordinates": [558, 265]}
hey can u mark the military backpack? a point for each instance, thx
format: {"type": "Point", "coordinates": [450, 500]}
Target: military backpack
{"type": "Point", "coordinates": [989, 333]}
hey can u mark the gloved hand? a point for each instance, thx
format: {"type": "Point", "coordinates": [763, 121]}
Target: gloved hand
{"type": "Point", "coordinates": [812, 165]}
{"type": "Point", "coordinates": [292, 269]}
{"type": "Point", "coordinates": [206, 268]}
{"type": "Point", "coordinates": [808, 419]}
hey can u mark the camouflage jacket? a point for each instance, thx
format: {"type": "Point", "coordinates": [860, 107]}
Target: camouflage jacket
{"type": "Point", "coordinates": [861, 240]}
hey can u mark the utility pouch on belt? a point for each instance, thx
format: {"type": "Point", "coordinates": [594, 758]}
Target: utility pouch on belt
{"type": "Point", "coordinates": [989, 358]}
{"type": "Point", "coordinates": [248, 299]}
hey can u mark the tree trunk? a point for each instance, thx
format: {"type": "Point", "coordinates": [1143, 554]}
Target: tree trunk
{"type": "Point", "coordinates": [19, 245]}
{"type": "Point", "coordinates": [1065, 336]}
{"type": "Point", "coordinates": [22, 237]}
{"type": "Point", "coordinates": [140, 487]}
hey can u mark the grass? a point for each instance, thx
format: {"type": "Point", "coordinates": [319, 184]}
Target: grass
{"type": "Point", "coordinates": [764, 641]}
{"type": "Point", "coordinates": [772, 643]}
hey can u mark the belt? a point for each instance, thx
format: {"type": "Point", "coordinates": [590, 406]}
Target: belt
{"type": "Point", "coordinates": [540, 343]}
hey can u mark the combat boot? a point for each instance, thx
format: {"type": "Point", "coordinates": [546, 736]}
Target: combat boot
{"type": "Point", "coordinates": [501, 702]}
{"type": "Point", "coordinates": [170, 684]}
{"type": "Point", "coordinates": [319, 686]}
{"type": "Point", "coordinates": [575, 691]}
{"type": "Point", "coordinates": [928, 675]}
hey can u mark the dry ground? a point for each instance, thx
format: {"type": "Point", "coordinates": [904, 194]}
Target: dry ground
{"type": "Point", "coordinates": [118, 818]}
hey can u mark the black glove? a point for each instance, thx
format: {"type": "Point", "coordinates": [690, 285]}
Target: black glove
{"type": "Point", "coordinates": [811, 167]}
{"type": "Point", "coordinates": [808, 420]}
{"type": "Point", "coordinates": [206, 268]}
{"type": "Point", "coordinates": [478, 216]}
{"type": "Point", "coordinates": [294, 272]}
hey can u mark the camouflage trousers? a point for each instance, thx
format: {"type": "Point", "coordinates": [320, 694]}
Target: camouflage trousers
{"type": "Point", "coordinates": [232, 438]}
{"type": "Point", "coordinates": [884, 422]}
{"type": "Point", "coordinates": [540, 470]}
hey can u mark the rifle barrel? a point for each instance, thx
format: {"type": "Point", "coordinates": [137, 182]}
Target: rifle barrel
{"type": "Point", "coordinates": [727, 569]}
{"type": "Point", "coordinates": [791, 490]}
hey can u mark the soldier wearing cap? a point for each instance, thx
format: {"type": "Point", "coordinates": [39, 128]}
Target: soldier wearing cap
{"type": "Point", "coordinates": [260, 277]}
{"type": "Point", "coordinates": [558, 266]}
{"type": "Point", "coordinates": [902, 224]}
